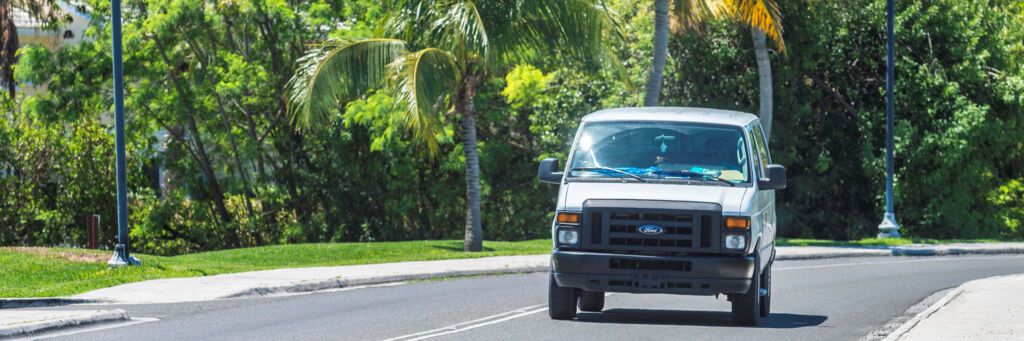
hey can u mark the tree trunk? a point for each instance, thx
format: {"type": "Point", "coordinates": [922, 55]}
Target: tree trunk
{"type": "Point", "coordinates": [660, 53]}
{"type": "Point", "coordinates": [172, 153]}
{"type": "Point", "coordinates": [474, 229]}
{"type": "Point", "coordinates": [8, 47]}
{"type": "Point", "coordinates": [202, 158]}
{"type": "Point", "coordinates": [764, 80]}
{"type": "Point", "coordinates": [211, 177]}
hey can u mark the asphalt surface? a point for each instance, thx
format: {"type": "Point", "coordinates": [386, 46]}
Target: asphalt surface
{"type": "Point", "coordinates": [836, 299]}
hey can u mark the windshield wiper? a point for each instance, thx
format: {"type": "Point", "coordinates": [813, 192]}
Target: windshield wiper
{"type": "Point", "coordinates": [591, 169]}
{"type": "Point", "coordinates": [689, 173]}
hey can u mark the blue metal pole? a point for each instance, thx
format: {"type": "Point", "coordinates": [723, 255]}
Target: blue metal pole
{"type": "Point", "coordinates": [121, 256]}
{"type": "Point", "coordinates": [888, 228]}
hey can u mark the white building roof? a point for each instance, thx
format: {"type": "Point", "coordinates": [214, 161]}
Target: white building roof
{"type": "Point", "coordinates": [24, 21]}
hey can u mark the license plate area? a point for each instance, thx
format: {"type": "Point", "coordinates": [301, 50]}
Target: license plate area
{"type": "Point", "coordinates": [649, 281]}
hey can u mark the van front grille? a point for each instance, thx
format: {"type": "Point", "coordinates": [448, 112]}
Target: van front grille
{"type": "Point", "coordinates": [645, 225]}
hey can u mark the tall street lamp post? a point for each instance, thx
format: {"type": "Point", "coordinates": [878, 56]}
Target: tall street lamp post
{"type": "Point", "coordinates": [121, 256]}
{"type": "Point", "coordinates": [888, 228]}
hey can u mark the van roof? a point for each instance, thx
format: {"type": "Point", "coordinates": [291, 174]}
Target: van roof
{"type": "Point", "coordinates": [677, 114]}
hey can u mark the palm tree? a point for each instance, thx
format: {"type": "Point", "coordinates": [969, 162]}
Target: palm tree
{"type": "Point", "coordinates": [761, 15]}
{"type": "Point", "coordinates": [46, 11]}
{"type": "Point", "coordinates": [435, 54]}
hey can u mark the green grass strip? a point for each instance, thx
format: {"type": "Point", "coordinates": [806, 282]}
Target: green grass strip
{"type": "Point", "coordinates": [29, 274]}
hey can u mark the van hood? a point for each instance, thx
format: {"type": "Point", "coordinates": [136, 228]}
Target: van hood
{"type": "Point", "coordinates": [573, 194]}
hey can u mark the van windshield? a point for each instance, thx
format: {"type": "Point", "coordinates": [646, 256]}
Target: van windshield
{"type": "Point", "coordinates": [660, 150]}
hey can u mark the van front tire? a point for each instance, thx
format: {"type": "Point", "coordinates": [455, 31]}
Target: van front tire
{"type": "Point", "coordinates": [766, 284]}
{"type": "Point", "coordinates": [746, 307]}
{"type": "Point", "coordinates": [561, 301]}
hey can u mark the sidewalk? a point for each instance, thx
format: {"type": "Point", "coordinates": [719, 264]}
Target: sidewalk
{"type": "Point", "coordinates": [984, 309]}
{"type": "Point", "coordinates": [281, 281]}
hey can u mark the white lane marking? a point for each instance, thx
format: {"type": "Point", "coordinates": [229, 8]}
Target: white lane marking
{"type": "Point", "coordinates": [133, 321]}
{"type": "Point", "coordinates": [480, 322]}
{"type": "Point", "coordinates": [939, 259]}
{"type": "Point", "coordinates": [474, 323]}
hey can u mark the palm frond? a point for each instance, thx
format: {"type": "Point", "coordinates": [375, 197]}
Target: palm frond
{"type": "Point", "coordinates": [571, 29]}
{"type": "Point", "coordinates": [689, 15]}
{"type": "Point", "coordinates": [338, 70]}
{"type": "Point", "coordinates": [460, 28]}
{"type": "Point", "coordinates": [426, 79]}
{"type": "Point", "coordinates": [761, 14]}
{"type": "Point", "coordinates": [407, 20]}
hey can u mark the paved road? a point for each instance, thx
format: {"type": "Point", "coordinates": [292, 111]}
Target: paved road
{"type": "Point", "coordinates": [839, 299]}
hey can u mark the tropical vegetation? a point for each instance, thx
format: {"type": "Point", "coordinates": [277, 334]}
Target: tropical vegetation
{"type": "Point", "coordinates": [444, 52]}
{"type": "Point", "coordinates": [222, 157]}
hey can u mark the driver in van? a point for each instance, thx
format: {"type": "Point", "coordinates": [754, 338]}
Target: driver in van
{"type": "Point", "coordinates": [721, 153]}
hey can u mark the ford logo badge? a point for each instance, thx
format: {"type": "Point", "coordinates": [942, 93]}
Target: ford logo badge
{"type": "Point", "coordinates": [650, 230]}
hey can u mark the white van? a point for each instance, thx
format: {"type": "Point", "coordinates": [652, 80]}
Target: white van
{"type": "Point", "coordinates": [664, 200]}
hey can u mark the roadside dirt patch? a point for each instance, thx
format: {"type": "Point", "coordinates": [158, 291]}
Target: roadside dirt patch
{"type": "Point", "coordinates": [74, 256]}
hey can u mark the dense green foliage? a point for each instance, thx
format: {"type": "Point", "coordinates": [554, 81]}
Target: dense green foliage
{"type": "Point", "coordinates": [45, 272]}
{"type": "Point", "coordinates": [958, 108]}
{"type": "Point", "coordinates": [238, 173]}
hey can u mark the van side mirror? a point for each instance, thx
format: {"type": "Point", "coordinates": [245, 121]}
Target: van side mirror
{"type": "Point", "coordinates": [548, 171]}
{"type": "Point", "coordinates": [776, 178]}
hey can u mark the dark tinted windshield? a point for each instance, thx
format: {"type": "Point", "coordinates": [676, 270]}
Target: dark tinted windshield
{"type": "Point", "coordinates": [660, 150]}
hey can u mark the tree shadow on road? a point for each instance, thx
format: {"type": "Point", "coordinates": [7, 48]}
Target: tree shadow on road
{"type": "Point", "coordinates": [696, 318]}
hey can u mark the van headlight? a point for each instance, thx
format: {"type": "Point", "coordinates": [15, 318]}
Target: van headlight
{"type": "Point", "coordinates": [568, 237]}
{"type": "Point", "coordinates": [735, 241]}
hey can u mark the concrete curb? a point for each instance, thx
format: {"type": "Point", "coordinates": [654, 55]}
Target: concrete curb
{"type": "Point", "coordinates": [910, 324]}
{"type": "Point", "coordinates": [953, 294]}
{"type": "Point", "coordinates": [338, 283]}
{"type": "Point", "coordinates": [13, 303]}
{"type": "Point", "coordinates": [956, 249]}
{"type": "Point", "coordinates": [26, 329]}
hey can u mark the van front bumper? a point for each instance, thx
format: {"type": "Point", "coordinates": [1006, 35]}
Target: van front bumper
{"type": "Point", "coordinates": [690, 275]}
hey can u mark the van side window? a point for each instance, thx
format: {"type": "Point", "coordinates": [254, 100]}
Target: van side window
{"type": "Point", "coordinates": [762, 147]}
{"type": "Point", "coordinates": [755, 145]}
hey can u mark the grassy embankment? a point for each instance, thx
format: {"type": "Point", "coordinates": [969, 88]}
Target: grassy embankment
{"type": "Point", "coordinates": [44, 272]}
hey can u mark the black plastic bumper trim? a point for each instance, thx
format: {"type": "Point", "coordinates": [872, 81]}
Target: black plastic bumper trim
{"type": "Point", "coordinates": [593, 271]}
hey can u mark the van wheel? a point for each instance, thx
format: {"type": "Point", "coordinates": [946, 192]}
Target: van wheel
{"type": "Point", "coordinates": [766, 284]}
{"type": "Point", "coordinates": [561, 301]}
{"type": "Point", "coordinates": [746, 306]}
{"type": "Point", "coordinates": [592, 301]}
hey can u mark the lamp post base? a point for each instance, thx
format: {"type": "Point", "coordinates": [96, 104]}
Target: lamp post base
{"type": "Point", "coordinates": [117, 260]}
{"type": "Point", "coordinates": [888, 228]}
